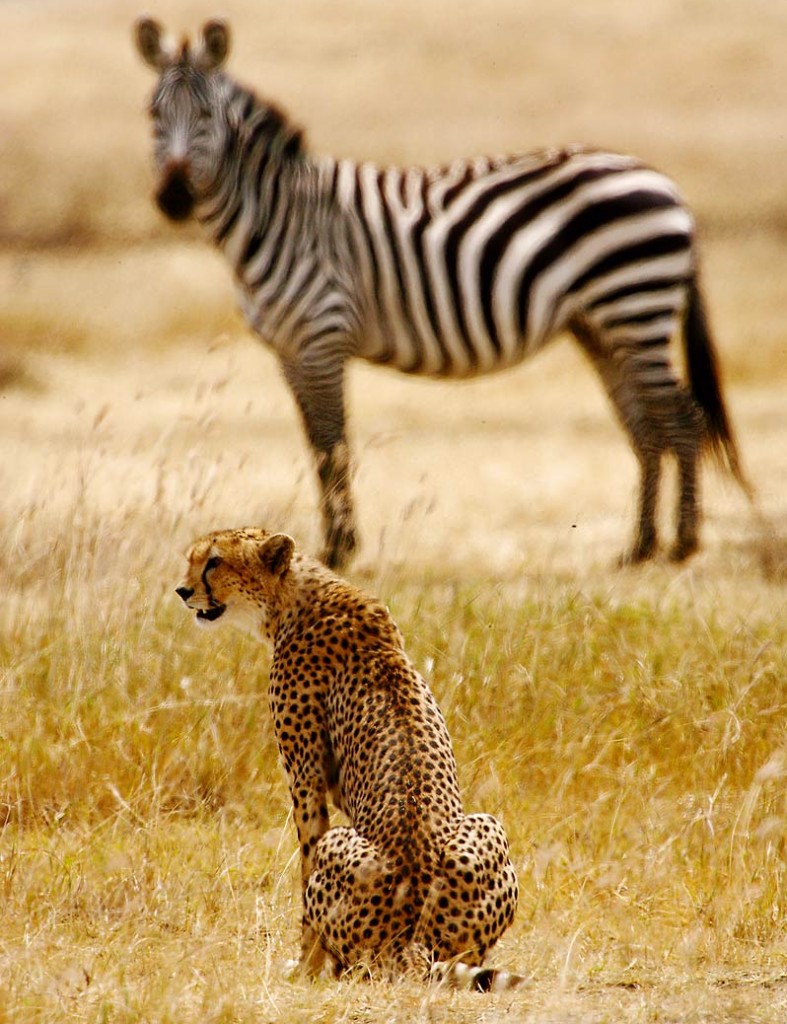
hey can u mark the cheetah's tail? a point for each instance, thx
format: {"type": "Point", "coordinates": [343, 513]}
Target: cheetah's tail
{"type": "Point", "coordinates": [454, 974]}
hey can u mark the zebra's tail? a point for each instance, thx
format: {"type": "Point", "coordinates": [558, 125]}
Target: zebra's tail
{"type": "Point", "coordinates": [705, 383]}
{"type": "Point", "coordinates": [454, 974]}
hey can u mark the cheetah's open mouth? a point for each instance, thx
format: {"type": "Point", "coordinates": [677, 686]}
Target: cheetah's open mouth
{"type": "Point", "coordinates": [211, 614]}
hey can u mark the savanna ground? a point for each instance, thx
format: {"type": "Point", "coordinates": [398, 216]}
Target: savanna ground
{"type": "Point", "coordinates": [628, 727]}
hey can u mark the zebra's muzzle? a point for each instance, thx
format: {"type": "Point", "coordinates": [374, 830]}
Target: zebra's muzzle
{"type": "Point", "coordinates": [175, 198]}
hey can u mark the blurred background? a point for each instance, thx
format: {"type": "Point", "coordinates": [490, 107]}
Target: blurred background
{"type": "Point", "coordinates": [128, 379]}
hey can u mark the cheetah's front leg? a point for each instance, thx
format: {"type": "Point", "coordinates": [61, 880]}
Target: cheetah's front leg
{"type": "Point", "coordinates": [353, 903]}
{"type": "Point", "coordinates": [310, 811]}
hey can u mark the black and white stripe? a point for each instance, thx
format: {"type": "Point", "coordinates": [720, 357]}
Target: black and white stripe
{"type": "Point", "coordinates": [476, 266]}
{"type": "Point", "coordinates": [449, 272]}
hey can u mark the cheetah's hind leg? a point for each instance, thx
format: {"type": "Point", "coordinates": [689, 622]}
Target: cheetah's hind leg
{"type": "Point", "coordinates": [474, 897]}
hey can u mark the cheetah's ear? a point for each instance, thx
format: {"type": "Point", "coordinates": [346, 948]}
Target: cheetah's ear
{"type": "Point", "coordinates": [276, 553]}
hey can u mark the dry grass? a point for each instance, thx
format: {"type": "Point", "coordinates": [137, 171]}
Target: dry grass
{"type": "Point", "coordinates": [634, 748]}
{"type": "Point", "coordinates": [628, 727]}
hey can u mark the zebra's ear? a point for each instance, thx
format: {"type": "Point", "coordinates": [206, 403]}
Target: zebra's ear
{"type": "Point", "coordinates": [148, 37]}
{"type": "Point", "coordinates": [214, 45]}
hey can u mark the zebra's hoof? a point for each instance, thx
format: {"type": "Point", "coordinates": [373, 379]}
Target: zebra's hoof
{"type": "Point", "coordinates": [683, 549]}
{"type": "Point", "coordinates": [641, 552]}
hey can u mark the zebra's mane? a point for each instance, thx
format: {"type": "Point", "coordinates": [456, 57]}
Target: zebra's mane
{"type": "Point", "coordinates": [261, 117]}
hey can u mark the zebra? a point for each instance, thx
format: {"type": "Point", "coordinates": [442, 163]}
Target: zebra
{"type": "Point", "coordinates": [451, 272]}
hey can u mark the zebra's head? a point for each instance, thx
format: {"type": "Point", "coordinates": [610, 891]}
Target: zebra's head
{"type": "Point", "coordinates": [188, 111]}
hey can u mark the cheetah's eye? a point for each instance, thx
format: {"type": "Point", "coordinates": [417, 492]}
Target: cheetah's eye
{"type": "Point", "coordinates": [212, 563]}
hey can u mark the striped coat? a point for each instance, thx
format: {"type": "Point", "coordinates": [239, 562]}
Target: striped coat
{"type": "Point", "coordinates": [450, 272]}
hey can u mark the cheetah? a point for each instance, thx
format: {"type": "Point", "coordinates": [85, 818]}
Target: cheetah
{"type": "Point", "coordinates": [412, 885]}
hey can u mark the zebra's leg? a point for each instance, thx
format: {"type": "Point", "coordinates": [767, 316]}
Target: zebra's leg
{"type": "Point", "coordinates": [318, 387]}
{"type": "Point", "coordinates": [646, 541]}
{"type": "Point", "coordinates": [660, 415]}
{"type": "Point", "coordinates": [685, 430]}
{"type": "Point", "coordinates": [629, 399]}
{"type": "Point", "coordinates": [333, 470]}
{"type": "Point", "coordinates": [675, 423]}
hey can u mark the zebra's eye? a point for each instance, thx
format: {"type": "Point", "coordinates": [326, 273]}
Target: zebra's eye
{"type": "Point", "coordinates": [212, 563]}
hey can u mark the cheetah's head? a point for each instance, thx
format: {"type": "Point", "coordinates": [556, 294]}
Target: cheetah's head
{"type": "Point", "coordinates": [236, 576]}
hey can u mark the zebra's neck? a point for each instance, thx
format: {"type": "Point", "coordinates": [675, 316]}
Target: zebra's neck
{"type": "Point", "coordinates": [262, 161]}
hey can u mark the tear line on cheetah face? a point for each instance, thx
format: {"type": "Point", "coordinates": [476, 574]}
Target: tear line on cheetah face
{"type": "Point", "coordinates": [196, 591]}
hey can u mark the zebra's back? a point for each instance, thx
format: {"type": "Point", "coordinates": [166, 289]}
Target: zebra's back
{"type": "Point", "coordinates": [471, 267]}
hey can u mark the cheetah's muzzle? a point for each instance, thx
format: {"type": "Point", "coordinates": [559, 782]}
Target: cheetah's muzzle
{"type": "Point", "coordinates": [211, 614]}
